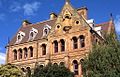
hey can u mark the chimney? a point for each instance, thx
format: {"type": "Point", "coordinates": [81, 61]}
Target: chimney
{"type": "Point", "coordinates": [25, 23]}
{"type": "Point", "coordinates": [83, 11]}
{"type": "Point", "coordinates": [53, 16]}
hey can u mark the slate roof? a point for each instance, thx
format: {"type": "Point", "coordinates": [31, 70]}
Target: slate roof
{"type": "Point", "coordinates": [39, 26]}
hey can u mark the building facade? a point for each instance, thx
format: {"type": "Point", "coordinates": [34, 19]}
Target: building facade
{"type": "Point", "coordinates": [63, 39]}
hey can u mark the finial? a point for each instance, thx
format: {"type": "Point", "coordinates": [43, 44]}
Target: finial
{"type": "Point", "coordinates": [67, 1]}
{"type": "Point", "coordinates": [111, 16]}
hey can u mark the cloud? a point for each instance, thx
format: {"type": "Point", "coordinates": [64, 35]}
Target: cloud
{"type": "Point", "coordinates": [2, 58]}
{"type": "Point", "coordinates": [30, 9]}
{"type": "Point", "coordinates": [117, 23]}
{"type": "Point", "coordinates": [2, 17]}
{"type": "Point", "coordinates": [15, 7]}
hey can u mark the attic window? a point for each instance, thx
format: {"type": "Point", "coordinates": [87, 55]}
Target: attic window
{"type": "Point", "coordinates": [20, 36]}
{"type": "Point", "coordinates": [46, 31]}
{"type": "Point", "coordinates": [32, 34]}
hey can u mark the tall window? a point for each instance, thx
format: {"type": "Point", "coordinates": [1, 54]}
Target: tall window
{"type": "Point", "coordinates": [75, 41]}
{"type": "Point", "coordinates": [15, 54]}
{"type": "Point", "coordinates": [82, 41]}
{"type": "Point", "coordinates": [28, 72]}
{"type": "Point", "coordinates": [55, 46]}
{"type": "Point", "coordinates": [62, 42]}
{"type": "Point", "coordinates": [75, 67]}
{"type": "Point", "coordinates": [25, 52]}
{"type": "Point", "coordinates": [31, 51]}
{"type": "Point", "coordinates": [46, 31]}
{"type": "Point", "coordinates": [43, 49]}
{"type": "Point", "coordinates": [20, 53]}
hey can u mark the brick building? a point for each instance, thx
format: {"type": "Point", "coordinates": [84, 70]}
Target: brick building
{"type": "Point", "coordinates": [63, 39]}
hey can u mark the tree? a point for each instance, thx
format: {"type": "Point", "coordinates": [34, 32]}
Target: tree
{"type": "Point", "coordinates": [10, 70]}
{"type": "Point", "coordinates": [104, 60]}
{"type": "Point", "coordinates": [52, 70]}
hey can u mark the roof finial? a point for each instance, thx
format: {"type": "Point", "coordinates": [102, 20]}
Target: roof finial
{"type": "Point", "coordinates": [111, 16]}
{"type": "Point", "coordinates": [67, 1]}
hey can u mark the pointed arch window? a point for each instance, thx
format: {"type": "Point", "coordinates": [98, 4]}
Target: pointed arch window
{"type": "Point", "coordinates": [55, 46]}
{"type": "Point", "coordinates": [31, 51]}
{"type": "Point", "coordinates": [25, 52]}
{"type": "Point", "coordinates": [15, 54]}
{"type": "Point", "coordinates": [75, 67]}
{"type": "Point", "coordinates": [20, 53]}
{"type": "Point", "coordinates": [75, 42]}
{"type": "Point", "coordinates": [43, 49]}
{"type": "Point", "coordinates": [62, 42]}
{"type": "Point", "coordinates": [82, 41]}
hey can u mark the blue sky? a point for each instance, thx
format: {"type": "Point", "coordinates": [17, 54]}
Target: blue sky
{"type": "Point", "coordinates": [13, 12]}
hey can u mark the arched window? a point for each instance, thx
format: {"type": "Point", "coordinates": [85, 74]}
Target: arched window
{"type": "Point", "coordinates": [20, 53]}
{"type": "Point", "coordinates": [28, 74]}
{"type": "Point", "coordinates": [23, 69]}
{"type": "Point", "coordinates": [55, 46]}
{"type": "Point", "coordinates": [31, 34]}
{"type": "Point", "coordinates": [46, 31]}
{"type": "Point", "coordinates": [82, 41]}
{"type": "Point", "coordinates": [43, 49]}
{"type": "Point", "coordinates": [62, 42]}
{"type": "Point", "coordinates": [75, 67]}
{"type": "Point", "coordinates": [31, 51]}
{"type": "Point", "coordinates": [55, 64]}
{"type": "Point", "coordinates": [62, 63]}
{"type": "Point", "coordinates": [15, 54]}
{"type": "Point", "coordinates": [75, 43]}
{"type": "Point", "coordinates": [25, 52]}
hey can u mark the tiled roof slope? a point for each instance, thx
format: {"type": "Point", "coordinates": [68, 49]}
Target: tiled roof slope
{"type": "Point", "coordinates": [26, 30]}
{"type": "Point", "coordinates": [106, 27]}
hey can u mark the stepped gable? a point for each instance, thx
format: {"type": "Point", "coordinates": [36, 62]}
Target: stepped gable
{"type": "Point", "coordinates": [39, 26]}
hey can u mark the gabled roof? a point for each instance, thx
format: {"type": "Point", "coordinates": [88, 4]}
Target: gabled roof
{"type": "Point", "coordinates": [39, 26]}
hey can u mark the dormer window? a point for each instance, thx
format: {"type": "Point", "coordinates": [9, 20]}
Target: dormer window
{"type": "Point", "coordinates": [46, 30]}
{"type": "Point", "coordinates": [20, 36]}
{"type": "Point", "coordinates": [32, 34]}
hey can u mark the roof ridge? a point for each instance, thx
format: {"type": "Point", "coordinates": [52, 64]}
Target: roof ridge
{"type": "Point", "coordinates": [39, 23]}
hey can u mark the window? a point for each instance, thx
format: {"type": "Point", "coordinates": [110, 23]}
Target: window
{"type": "Point", "coordinates": [62, 63]}
{"type": "Point", "coordinates": [62, 42]}
{"type": "Point", "coordinates": [43, 49]}
{"type": "Point", "coordinates": [75, 41]}
{"type": "Point", "coordinates": [20, 53]}
{"type": "Point", "coordinates": [31, 51]}
{"type": "Point", "coordinates": [82, 41]}
{"type": "Point", "coordinates": [75, 67]}
{"type": "Point", "coordinates": [55, 46]}
{"type": "Point", "coordinates": [15, 54]}
{"type": "Point", "coordinates": [20, 36]}
{"type": "Point", "coordinates": [25, 53]}
{"type": "Point", "coordinates": [46, 31]}
{"type": "Point", "coordinates": [28, 74]}
{"type": "Point", "coordinates": [32, 34]}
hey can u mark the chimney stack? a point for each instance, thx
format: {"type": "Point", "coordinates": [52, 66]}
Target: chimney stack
{"type": "Point", "coordinates": [53, 16]}
{"type": "Point", "coordinates": [25, 23]}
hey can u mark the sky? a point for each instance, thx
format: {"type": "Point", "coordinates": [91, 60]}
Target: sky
{"type": "Point", "coordinates": [13, 12]}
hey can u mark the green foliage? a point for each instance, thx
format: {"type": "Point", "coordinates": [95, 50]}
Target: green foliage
{"type": "Point", "coordinates": [10, 70]}
{"type": "Point", "coordinates": [104, 60]}
{"type": "Point", "coordinates": [52, 71]}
